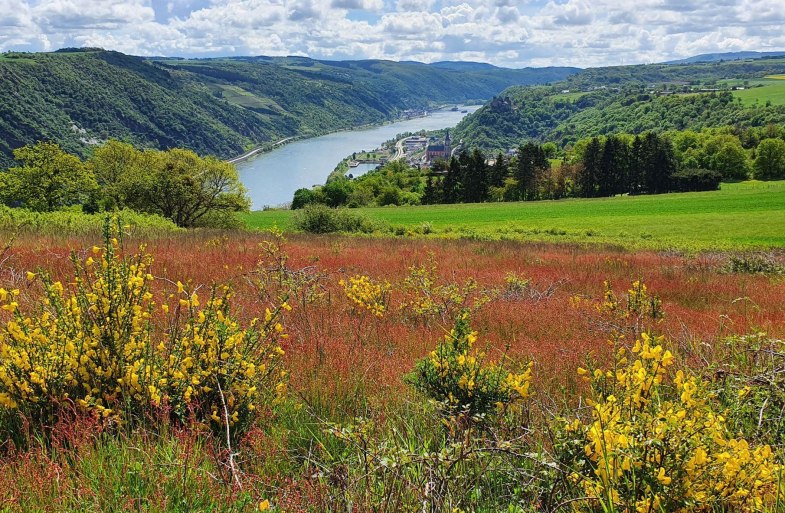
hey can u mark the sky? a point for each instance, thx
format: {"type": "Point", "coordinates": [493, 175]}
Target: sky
{"type": "Point", "coordinates": [507, 33]}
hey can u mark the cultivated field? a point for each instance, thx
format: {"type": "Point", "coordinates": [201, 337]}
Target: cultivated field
{"type": "Point", "coordinates": [772, 90]}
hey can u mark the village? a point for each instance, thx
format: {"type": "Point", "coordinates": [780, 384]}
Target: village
{"type": "Point", "coordinates": [416, 150]}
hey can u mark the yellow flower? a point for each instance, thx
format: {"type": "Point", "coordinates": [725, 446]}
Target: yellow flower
{"type": "Point", "coordinates": [662, 478]}
{"type": "Point", "coordinates": [264, 505]}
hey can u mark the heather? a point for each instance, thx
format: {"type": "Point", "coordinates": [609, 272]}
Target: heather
{"type": "Point", "coordinates": [400, 374]}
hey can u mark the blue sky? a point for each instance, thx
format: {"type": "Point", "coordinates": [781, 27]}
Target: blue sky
{"type": "Point", "coordinates": [503, 32]}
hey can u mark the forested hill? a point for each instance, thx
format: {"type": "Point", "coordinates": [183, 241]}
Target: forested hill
{"type": "Point", "coordinates": [219, 106]}
{"type": "Point", "coordinates": [632, 99]}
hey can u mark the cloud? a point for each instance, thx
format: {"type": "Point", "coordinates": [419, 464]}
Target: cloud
{"type": "Point", "coordinates": [364, 5]}
{"type": "Point", "coordinates": [504, 32]}
{"type": "Point", "coordinates": [414, 5]}
{"type": "Point", "coordinates": [507, 15]}
{"type": "Point", "coordinates": [100, 14]}
{"type": "Point", "coordinates": [574, 12]}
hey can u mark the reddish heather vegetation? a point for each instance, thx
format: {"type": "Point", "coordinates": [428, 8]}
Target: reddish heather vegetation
{"type": "Point", "coordinates": [331, 350]}
{"type": "Point", "coordinates": [363, 312]}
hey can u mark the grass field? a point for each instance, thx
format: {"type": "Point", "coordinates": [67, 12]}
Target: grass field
{"type": "Point", "coordinates": [741, 215]}
{"type": "Point", "coordinates": [773, 90]}
{"type": "Point", "coordinates": [570, 96]}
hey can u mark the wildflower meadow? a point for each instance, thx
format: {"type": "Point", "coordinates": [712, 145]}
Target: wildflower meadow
{"type": "Point", "coordinates": [257, 371]}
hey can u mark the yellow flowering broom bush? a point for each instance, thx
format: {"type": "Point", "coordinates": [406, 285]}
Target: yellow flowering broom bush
{"type": "Point", "coordinates": [367, 294]}
{"type": "Point", "coordinates": [93, 344]}
{"type": "Point", "coordinates": [655, 442]}
{"type": "Point", "coordinates": [459, 379]}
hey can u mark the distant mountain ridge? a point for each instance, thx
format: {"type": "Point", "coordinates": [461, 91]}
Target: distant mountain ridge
{"type": "Point", "coordinates": [726, 56]}
{"type": "Point", "coordinates": [464, 65]}
{"type": "Point", "coordinates": [221, 106]}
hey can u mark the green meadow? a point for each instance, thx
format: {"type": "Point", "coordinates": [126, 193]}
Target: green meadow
{"type": "Point", "coordinates": [740, 215]}
{"type": "Point", "coordinates": [772, 90]}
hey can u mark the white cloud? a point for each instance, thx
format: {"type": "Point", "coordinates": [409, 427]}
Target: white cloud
{"type": "Point", "coordinates": [504, 32]}
{"type": "Point", "coordinates": [365, 5]}
{"type": "Point", "coordinates": [100, 14]}
{"type": "Point", "coordinates": [414, 5]}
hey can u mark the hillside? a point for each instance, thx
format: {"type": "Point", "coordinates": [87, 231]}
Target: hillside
{"type": "Point", "coordinates": [631, 99]}
{"type": "Point", "coordinates": [219, 106]}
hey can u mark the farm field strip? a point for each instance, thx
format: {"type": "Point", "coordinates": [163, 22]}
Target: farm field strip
{"type": "Point", "coordinates": [740, 215]}
{"type": "Point", "coordinates": [772, 90]}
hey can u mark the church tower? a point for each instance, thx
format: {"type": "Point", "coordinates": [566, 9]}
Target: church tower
{"type": "Point", "coordinates": [447, 145]}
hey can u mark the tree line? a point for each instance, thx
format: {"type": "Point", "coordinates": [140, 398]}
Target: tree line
{"type": "Point", "coordinates": [177, 184]}
{"type": "Point", "coordinates": [648, 163]}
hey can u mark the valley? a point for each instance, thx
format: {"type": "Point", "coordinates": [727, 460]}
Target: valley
{"type": "Point", "coordinates": [247, 283]}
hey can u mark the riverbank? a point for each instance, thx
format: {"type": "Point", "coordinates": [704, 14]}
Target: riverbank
{"type": "Point", "coordinates": [272, 177]}
{"type": "Point", "coordinates": [268, 147]}
{"type": "Point", "coordinates": [261, 149]}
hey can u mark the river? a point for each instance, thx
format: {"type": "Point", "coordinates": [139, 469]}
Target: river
{"type": "Point", "coordinates": [272, 178]}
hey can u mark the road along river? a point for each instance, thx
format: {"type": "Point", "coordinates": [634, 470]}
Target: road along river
{"type": "Point", "coordinates": [272, 178]}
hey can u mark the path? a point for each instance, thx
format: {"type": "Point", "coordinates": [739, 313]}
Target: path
{"type": "Point", "coordinates": [257, 150]}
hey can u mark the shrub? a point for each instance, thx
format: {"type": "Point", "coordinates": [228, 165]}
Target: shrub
{"type": "Point", "coordinates": [633, 313]}
{"type": "Point", "coordinates": [457, 377]}
{"type": "Point", "coordinates": [692, 180]}
{"type": "Point", "coordinates": [655, 442]}
{"type": "Point", "coordinates": [389, 195]}
{"type": "Point", "coordinates": [302, 197]}
{"type": "Point", "coordinates": [367, 294]}
{"type": "Point", "coordinates": [753, 264]}
{"type": "Point", "coordinates": [317, 218]}
{"type": "Point", "coordinates": [337, 192]}
{"type": "Point", "coordinates": [751, 386]}
{"type": "Point", "coordinates": [426, 296]}
{"type": "Point", "coordinates": [98, 345]}
{"type": "Point", "coordinates": [76, 223]}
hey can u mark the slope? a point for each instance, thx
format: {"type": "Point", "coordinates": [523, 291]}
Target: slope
{"type": "Point", "coordinates": [79, 97]}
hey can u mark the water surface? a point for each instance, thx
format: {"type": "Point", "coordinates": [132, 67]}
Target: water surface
{"type": "Point", "coordinates": [272, 178]}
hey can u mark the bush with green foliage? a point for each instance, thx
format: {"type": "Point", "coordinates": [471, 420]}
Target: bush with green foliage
{"type": "Point", "coordinates": [303, 197]}
{"type": "Point", "coordinates": [462, 383]}
{"type": "Point", "coordinates": [317, 218]}
{"type": "Point", "coordinates": [19, 220]}
{"type": "Point", "coordinates": [177, 184]}
{"type": "Point", "coordinates": [691, 180]}
{"type": "Point", "coordinates": [770, 162]}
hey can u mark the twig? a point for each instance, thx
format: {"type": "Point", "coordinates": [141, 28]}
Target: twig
{"type": "Point", "coordinates": [232, 454]}
{"type": "Point", "coordinates": [760, 416]}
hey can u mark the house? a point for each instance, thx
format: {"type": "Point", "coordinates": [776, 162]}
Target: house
{"type": "Point", "coordinates": [415, 143]}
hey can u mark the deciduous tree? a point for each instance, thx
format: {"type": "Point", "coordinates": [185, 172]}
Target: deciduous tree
{"type": "Point", "coordinates": [770, 163]}
{"type": "Point", "coordinates": [47, 179]}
